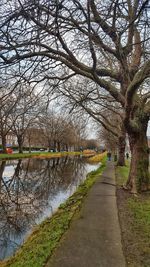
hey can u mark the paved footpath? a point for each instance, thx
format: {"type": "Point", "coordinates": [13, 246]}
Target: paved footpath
{"type": "Point", "coordinates": [93, 239]}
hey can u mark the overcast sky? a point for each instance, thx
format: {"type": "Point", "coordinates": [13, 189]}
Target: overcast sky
{"type": "Point", "coordinates": [92, 131]}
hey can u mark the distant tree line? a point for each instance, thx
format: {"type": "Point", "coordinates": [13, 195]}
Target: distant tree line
{"type": "Point", "coordinates": [25, 115]}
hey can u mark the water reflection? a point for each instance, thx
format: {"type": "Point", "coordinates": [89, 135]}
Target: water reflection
{"type": "Point", "coordinates": [32, 189]}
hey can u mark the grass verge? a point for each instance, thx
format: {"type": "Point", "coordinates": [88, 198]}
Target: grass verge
{"type": "Point", "coordinates": [122, 173]}
{"type": "Point", "coordinates": [37, 155]}
{"type": "Point", "coordinates": [134, 215]}
{"type": "Point", "coordinates": [45, 237]}
{"type": "Point", "coordinates": [97, 158]}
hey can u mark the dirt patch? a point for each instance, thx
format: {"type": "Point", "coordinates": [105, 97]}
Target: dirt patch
{"type": "Point", "coordinates": [135, 243]}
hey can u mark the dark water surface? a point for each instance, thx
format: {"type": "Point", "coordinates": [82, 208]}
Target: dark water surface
{"type": "Point", "coordinates": [30, 191]}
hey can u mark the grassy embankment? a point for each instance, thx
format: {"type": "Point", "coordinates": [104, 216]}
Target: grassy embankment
{"type": "Point", "coordinates": [97, 158]}
{"type": "Point", "coordinates": [37, 155]}
{"type": "Point", "coordinates": [40, 245]}
{"type": "Point", "coordinates": [134, 216]}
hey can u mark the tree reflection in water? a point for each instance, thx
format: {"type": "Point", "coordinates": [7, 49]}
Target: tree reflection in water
{"type": "Point", "coordinates": [30, 190]}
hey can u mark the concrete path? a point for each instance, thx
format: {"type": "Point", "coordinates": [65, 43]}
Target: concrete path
{"type": "Point", "coordinates": [93, 239]}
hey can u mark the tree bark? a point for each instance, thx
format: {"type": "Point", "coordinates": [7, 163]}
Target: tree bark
{"type": "Point", "coordinates": [121, 151]}
{"type": "Point", "coordinates": [49, 146]}
{"type": "Point", "coordinates": [58, 146]}
{"type": "Point", "coordinates": [121, 147]}
{"type": "Point", "coordinates": [55, 146]}
{"type": "Point", "coordinates": [29, 142]}
{"type": "Point", "coordinates": [29, 148]}
{"type": "Point", "coordinates": [138, 179]}
{"type": "Point", "coordinates": [20, 144]}
{"type": "Point", "coordinates": [4, 143]}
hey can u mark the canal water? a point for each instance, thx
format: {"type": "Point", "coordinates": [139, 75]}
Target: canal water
{"type": "Point", "coordinates": [30, 191]}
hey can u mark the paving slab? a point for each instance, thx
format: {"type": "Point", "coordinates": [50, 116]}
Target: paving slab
{"type": "Point", "coordinates": [94, 238]}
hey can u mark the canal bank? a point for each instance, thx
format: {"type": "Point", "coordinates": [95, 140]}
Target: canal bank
{"type": "Point", "coordinates": [94, 238]}
{"type": "Point", "coordinates": [39, 155]}
{"type": "Point", "coordinates": [46, 236]}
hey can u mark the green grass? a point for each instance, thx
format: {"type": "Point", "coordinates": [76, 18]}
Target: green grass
{"type": "Point", "coordinates": [138, 208]}
{"type": "Point", "coordinates": [33, 154]}
{"type": "Point", "coordinates": [18, 155]}
{"type": "Point", "coordinates": [122, 173]}
{"type": "Point", "coordinates": [141, 211]}
{"type": "Point", "coordinates": [45, 237]}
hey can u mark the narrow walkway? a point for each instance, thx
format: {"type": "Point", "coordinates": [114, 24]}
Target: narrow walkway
{"type": "Point", "coordinates": [93, 239]}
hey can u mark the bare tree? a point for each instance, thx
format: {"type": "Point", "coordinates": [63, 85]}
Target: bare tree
{"type": "Point", "coordinates": [106, 42]}
{"type": "Point", "coordinates": [47, 124]}
{"type": "Point", "coordinates": [113, 134]}
{"type": "Point", "coordinates": [34, 136]}
{"type": "Point", "coordinates": [8, 103]}
{"type": "Point", "coordinates": [109, 141]}
{"type": "Point", "coordinates": [84, 95]}
{"type": "Point", "coordinates": [61, 132]}
{"type": "Point", "coordinates": [25, 113]}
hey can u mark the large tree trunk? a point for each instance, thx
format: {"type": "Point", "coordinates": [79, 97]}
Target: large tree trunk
{"type": "Point", "coordinates": [29, 143]}
{"type": "Point", "coordinates": [29, 148]}
{"type": "Point", "coordinates": [4, 143]}
{"type": "Point", "coordinates": [20, 144]}
{"type": "Point", "coordinates": [55, 146]}
{"type": "Point", "coordinates": [138, 179]}
{"type": "Point", "coordinates": [49, 146]}
{"type": "Point", "coordinates": [58, 146]}
{"type": "Point", "coordinates": [121, 151]}
{"type": "Point", "coordinates": [67, 149]}
{"type": "Point", "coordinates": [121, 148]}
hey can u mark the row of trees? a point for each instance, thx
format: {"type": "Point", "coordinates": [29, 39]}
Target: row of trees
{"type": "Point", "coordinates": [23, 113]}
{"type": "Point", "coordinates": [60, 132]}
{"type": "Point", "coordinates": [18, 110]}
{"type": "Point", "coordinates": [105, 44]}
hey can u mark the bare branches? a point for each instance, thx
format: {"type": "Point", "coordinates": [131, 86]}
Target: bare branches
{"type": "Point", "coordinates": [105, 42]}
